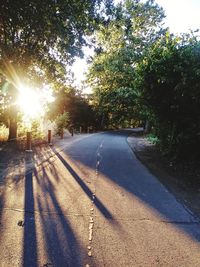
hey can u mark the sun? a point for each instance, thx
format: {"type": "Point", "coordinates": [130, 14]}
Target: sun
{"type": "Point", "coordinates": [30, 102]}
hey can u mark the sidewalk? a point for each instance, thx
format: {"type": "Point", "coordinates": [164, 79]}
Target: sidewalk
{"type": "Point", "coordinates": [14, 163]}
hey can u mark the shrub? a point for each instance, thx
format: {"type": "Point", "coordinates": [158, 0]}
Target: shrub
{"type": "Point", "coordinates": [62, 122]}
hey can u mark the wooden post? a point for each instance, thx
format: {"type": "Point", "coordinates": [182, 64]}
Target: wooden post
{"type": "Point", "coordinates": [61, 133]}
{"type": "Point", "coordinates": [28, 142]}
{"type": "Point", "coordinates": [49, 137]}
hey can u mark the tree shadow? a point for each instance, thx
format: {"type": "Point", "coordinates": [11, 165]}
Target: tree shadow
{"type": "Point", "coordinates": [61, 243]}
{"type": "Point", "coordinates": [119, 164]}
{"type": "Point", "coordinates": [58, 238]}
{"type": "Point", "coordinates": [30, 238]}
{"type": "Point", "coordinates": [106, 213]}
{"type": "Point", "coordinates": [2, 195]}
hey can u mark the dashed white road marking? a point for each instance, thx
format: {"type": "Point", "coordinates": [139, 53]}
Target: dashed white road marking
{"type": "Point", "coordinates": [91, 222]}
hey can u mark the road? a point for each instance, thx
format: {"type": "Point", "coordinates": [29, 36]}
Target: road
{"type": "Point", "coordinates": [95, 204]}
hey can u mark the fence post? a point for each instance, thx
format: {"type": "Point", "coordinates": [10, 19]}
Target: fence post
{"type": "Point", "coordinates": [28, 142]}
{"type": "Point", "coordinates": [72, 131]}
{"type": "Point", "coordinates": [61, 133]}
{"type": "Point", "coordinates": [49, 138]}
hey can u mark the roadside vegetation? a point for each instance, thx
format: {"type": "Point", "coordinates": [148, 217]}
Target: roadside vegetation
{"type": "Point", "coordinates": [142, 74]}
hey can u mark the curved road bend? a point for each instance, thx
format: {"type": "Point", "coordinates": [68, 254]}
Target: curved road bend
{"type": "Point", "coordinates": [95, 204]}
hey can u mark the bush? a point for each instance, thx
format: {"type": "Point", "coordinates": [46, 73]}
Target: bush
{"type": "Point", "coordinates": [169, 80]}
{"type": "Point", "coordinates": [62, 122]}
{"type": "Point", "coordinates": [34, 127]}
{"type": "Point", "coordinates": [153, 139]}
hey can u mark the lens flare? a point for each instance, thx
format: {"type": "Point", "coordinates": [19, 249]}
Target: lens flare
{"type": "Point", "coordinates": [30, 103]}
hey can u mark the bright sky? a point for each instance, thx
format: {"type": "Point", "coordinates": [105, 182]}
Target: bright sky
{"type": "Point", "coordinates": [181, 16]}
{"type": "Point", "coordinates": [80, 67]}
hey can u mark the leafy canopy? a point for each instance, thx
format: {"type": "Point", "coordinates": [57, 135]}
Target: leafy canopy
{"type": "Point", "coordinates": [121, 44]}
{"type": "Point", "coordinates": [38, 39]}
{"type": "Point", "coordinates": [168, 79]}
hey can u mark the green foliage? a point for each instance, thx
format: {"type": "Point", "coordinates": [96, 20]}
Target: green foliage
{"type": "Point", "coordinates": [169, 79]}
{"type": "Point", "coordinates": [153, 139]}
{"type": "Point", "coordinates": [34, 29]}
{"type": "Point", "coordinates": [121, 44]}
{"type": "Point", "coordinates": [71, 101]}
{"type": "Point", "coordinates": [142, 72]}
{"type": "Point", "coordinates": [119, 104]}
{"type": "Point", "coordinates": [38, 39]}
{"type": "Point", "coordinates": [34, 127]}
{"type": "Point", "coordinates": [62, 122]}
{"type": "Point", "coordinates": [36, 131]}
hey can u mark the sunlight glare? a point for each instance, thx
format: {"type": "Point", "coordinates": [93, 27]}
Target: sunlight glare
{"type": "Point", "coordinates": [30, 103]}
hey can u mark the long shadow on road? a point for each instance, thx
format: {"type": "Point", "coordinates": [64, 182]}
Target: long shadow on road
{"type": "Point", "coordinates": [47, 228]}
{"type": "Point", "coordinates": [119, 164]}
{"type": "Point", "coordinates": [86, 189]}
{"type": "Point", "coordinates": [30, 240]}
{"type": "Point", "coordinates": [61, 243]}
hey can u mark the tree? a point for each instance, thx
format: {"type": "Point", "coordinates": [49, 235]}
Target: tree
{"type": "Point", "coordinates": [38, 39]}
{"type": "Point", "coordinates": [62, 122]}
{"type": "Point", "coordinates": [121, 45]}
{"type": "Point", "coordinates": [71, 101]}
{"type": "Point", "coordinates": [168, 78]}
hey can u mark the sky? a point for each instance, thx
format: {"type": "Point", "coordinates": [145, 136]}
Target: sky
{"type": "Point", "coordinates": [181, 16]}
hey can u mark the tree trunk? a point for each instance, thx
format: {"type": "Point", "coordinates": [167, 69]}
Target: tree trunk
{"type": "Point", "coordinates": [12, 113]}
{"type": "Point", "coordinates": [147, 128]}
{"type": "Point", "coordinates": [12, 126]}
{"type": "Point", "coordinates": [102, 121]}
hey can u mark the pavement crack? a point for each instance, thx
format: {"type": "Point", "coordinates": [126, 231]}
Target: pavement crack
{"type": "Point", "coordinates": [69, 214]}
{"type": "Point", "coordinates": [197, 222]}
{"type": "Point", "coordinates": [180, 222]}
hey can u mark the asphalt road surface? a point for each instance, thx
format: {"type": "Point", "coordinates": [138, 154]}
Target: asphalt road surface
{"type": "Point", "coordinates": [95, 204]}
